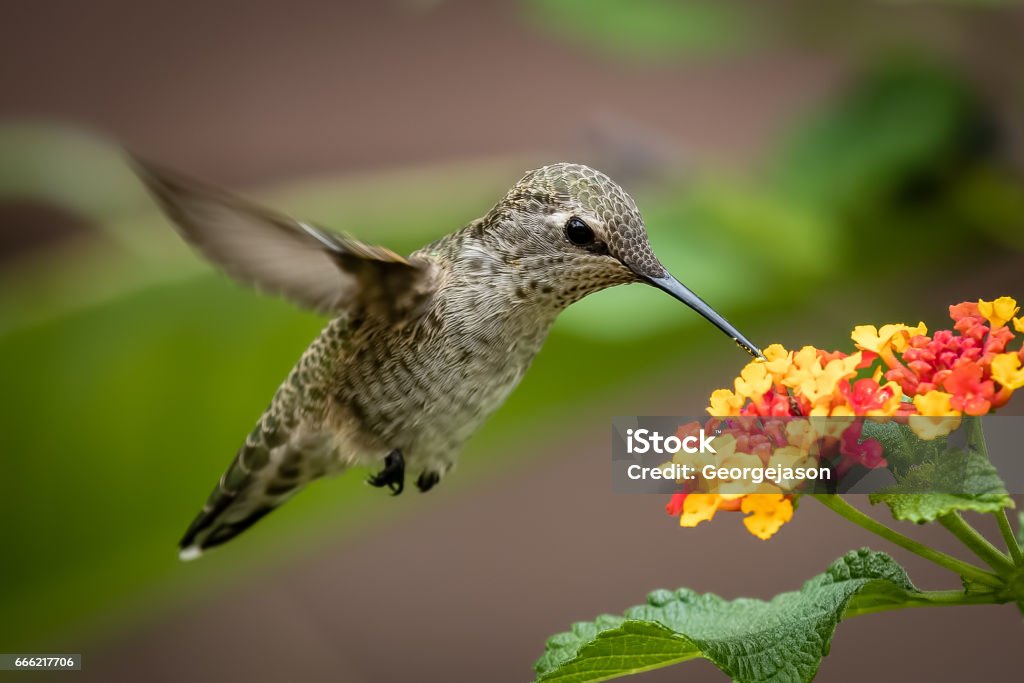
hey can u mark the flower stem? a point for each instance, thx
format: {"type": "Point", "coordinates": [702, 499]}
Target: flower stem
{"type": "Point", "coordinates": [977, 543]}
{"type": "Point", "coordinates": [1011, 541]}
{"type": "Point", "coordinates": [837, 504]}
{"type": "Point", "coordinates": [970, 537]}
{"type": "Point", "coordinates": [925, 599]}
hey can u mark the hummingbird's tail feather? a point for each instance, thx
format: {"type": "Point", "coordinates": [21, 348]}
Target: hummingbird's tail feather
{"type": "Point", "coordinates": [237, 502]}
{"type": "Point", "coordinates": [259, 480]}
{"type": "Point", "coordinates": [288, 448]}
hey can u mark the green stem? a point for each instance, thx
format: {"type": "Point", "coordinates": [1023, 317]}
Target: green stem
{"type": "Point", "coordinates": [1011, 540]}
{"type": "Point", "coordinates": [964, 569]}
{"type": "Point", "coordinates": [977, 543]}
{"type": "Point", "coordinates": [925, 599]}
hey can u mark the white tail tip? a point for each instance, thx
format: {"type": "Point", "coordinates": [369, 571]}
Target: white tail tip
{"type": "Point", "coordinates": [193, 552]}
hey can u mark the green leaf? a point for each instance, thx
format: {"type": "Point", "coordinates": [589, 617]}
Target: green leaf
{"type": "Point", "coordinates": [649, 29]}
{"type": "Point", "coordinates": [903, 449]}
{"type": "Point", "coordinates": [926, 507]}
{"type": "Point", "coordinates": [1020, 528]}
{"type": "Point", "coordinates": [749, 640]}
{"type": "Point", "coordinates": [935, 478]}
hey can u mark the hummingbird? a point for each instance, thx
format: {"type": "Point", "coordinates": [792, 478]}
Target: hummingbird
{"type": "Point", "coordinates": [420, 350]}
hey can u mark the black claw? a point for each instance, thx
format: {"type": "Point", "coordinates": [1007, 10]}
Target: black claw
{"type": "Point", "coordinates": [393, 474]}
{"type": "Point", "coordinates": [427, 480]}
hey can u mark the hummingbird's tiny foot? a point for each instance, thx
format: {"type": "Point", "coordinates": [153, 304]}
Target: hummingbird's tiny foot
{"type": "Point", "coordinates": [393, 474]}
{"type": "Point", "coordinates": [427, 480]}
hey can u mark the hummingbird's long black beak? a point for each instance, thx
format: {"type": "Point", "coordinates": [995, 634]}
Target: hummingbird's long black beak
{"type": "Point", "coordinates": [674, 287]}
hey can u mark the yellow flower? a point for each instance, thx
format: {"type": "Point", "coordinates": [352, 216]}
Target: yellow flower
{"type": "Point", "coordinates": [928, 427]}
{"type": "Point", "coordinates": [805, 433]}
{"type": "Point", "coordinates": [753, 381]}
{"type": "Point", "coordinates": [787, 456]}
{"type": "Point", "coordinates": [724, 403]}
{"type": "Point", "coordinates": [699, 507]}
{"type": "Point", "coordinates": [842, 368]}
{"type": "Point", "coordinates": [777, 361]}
{"type": "Point", "coordinates": [801, 434]}
{"type": "Point", "coordinates": [879, 340]}
{"type": "Point", "coordinates": [901, 340]}
{"type": "Point", "coordinates": [804, 372]}
{"type": "Point", "coordinates": [937, 417]}
{"type": "Point", "coordinates": [998, 312]}
{"type": "Point", "coordinates": [730, 458]}
{"type": "Point", "coordinates": [766, 513]}
{"type": "Point", "coordinates": [791, 457]}
{"type": "Point", "coordinates": [747, 463]}
{"type": "Point", "coordinates": [841, 412]}
{"type": "Point", "coordinates": [1018, 324]}
{"type": "Point", "coordinates": [818, 384]}
{"type": "Point", "coordinates": [805, 366]}
{"type": "Point", "coordinates": [867, 337]}
{"type": "Point", "coordinates": [835, 428]}
{"type": "Point", "coordinates": [934, 403]}
{"type": "Point", "coordinates": [1007, 370]}
{"type": "Point", "coordinates": [725, 445]}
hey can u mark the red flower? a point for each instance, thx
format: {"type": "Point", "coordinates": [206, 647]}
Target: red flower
{"type": "Point", "coordinates": [675, 504]}
{"type": "Point", "coordinates": [997, 341]}
{"type": "Point", "coordinates": [964, 310]}
{"type": "Point", "coordinates": [971, 394]}
{"type": "Point", "coordinates": [826, 356]}
{"type": "Point", "coordinates": [866, 395]}
{"type": "Point", "coordinates": [869, 454]}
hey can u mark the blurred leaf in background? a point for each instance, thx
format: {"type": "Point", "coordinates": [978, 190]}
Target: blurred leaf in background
{"type": "Point", "coordinates": [909, 152]}
{"type": "Point", "coordinates": [650, 29]}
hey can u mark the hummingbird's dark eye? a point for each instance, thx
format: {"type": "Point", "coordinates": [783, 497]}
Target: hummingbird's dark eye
{"type": "Point", "coordinates": [578, 232]}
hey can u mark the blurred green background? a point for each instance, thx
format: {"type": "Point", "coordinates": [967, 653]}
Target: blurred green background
{"type": "Point", "coordinates": [804, 166]}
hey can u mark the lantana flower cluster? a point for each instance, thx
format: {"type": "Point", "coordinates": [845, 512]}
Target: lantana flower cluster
{"type": "Point", "coordinates": [897, 372]}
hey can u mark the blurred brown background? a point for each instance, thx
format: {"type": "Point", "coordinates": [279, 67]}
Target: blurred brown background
{"type": "Point", "coordinates": [303, 97]}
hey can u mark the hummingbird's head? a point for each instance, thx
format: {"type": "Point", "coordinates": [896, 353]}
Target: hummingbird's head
{"type": "Point", "coordinates": [581, 233]}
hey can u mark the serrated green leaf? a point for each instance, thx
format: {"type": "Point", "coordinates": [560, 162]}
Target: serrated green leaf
{"type": "Point", "coordinates": [935, 478]}
{"type": "Point", "coordinates": [629, 647]}
{"type": "Point", "coordinates": [927, 507]}
{"type": "Point", "coordinates": [903, 449]}
{"type": "Point", "coordinates": [749, 640]}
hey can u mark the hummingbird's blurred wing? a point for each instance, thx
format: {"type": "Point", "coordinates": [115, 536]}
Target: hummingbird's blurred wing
{"type": "Point", "coordinates": [316, 269]}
